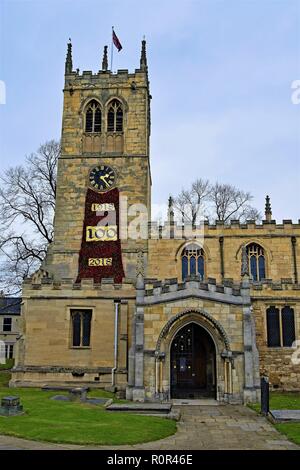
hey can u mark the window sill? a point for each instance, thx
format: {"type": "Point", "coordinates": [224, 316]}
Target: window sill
{"type": "Point", "coordinates": [80, 347]}
{"type": "Point", "coordinates": [92, 133]}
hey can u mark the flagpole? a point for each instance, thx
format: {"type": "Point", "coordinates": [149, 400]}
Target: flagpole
{"type": "Point", "coordinates": [112, 49]}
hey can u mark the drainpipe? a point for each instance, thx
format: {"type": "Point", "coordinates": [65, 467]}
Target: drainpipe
{"type": "Point", "coordinates": [113, 371]}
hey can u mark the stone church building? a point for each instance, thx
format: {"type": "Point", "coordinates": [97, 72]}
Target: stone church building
{"type": "Point", "coordinates": [166, 314]}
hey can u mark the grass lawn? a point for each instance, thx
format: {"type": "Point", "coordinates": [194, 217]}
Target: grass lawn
{"type": "Point", "coordinates": [76, 423]}
{"type": "Point", "coordinates": [285, 401]}
{"type": "Point", "coordinates": [8, 365]}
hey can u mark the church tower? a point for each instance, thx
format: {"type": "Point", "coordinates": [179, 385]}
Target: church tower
{"type": "Point", "coordinates": [103, 169]}
{"type": "Point", "coordinates": [78, 307]}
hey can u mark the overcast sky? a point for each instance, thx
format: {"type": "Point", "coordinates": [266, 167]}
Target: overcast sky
{"type": "Point", "coordinates": [220, 74]}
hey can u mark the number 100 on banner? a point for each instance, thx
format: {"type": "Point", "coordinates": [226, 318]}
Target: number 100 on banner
{"type": "Point", "coordinates": [103, 234]}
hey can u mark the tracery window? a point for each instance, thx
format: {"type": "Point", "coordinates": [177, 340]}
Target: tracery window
{"type": "Point", "coordinates": [256, 260]}
{"type": "Point", "coordinates": [93, 117]}
{"type": "Point", "coordinates": [115, 117]}
{"type": "Point", "coordinates": [192, 261]}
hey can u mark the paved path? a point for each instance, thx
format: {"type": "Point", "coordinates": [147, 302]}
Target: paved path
{"type": "Point", "coordinates": [200, 427]}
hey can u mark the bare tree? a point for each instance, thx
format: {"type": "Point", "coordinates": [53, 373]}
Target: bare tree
{"type": "Point", "coordinates": [216, 202]}
{"type": "Point", "coordinates": [27, 203]}
{"type": "Point", "coordinates": [190, 203]}
{"type": "Point", "coordinates": [229, 202]}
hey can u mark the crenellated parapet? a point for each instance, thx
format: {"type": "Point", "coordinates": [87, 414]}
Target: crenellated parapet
{"type": "Point", "coordinates": [226, 291]}
{"type": "Point", "coordinates": [269, 285]}
{"type": "Point", "coordinates": [173, 284]}
{"type": "Point", "coordinates": [171, 290]}
{"type": "Point", "coordinates": [47, 286]}
{"type": "Point", "coordinates": [187, 231]}
{"type": "Point", "coordinates": [86, 78]}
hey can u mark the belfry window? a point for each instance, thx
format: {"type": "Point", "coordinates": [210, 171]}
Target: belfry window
{"type": "Point", "coordinates": [256, 260]}
{"type": "Point", "coordinates": [81, 327]}
{"type": "Point", "coordinates": [280, 326]}
{"type": "Point", "coordinates": [115, 117]}
{"type": "Point", "coordinates": [192, 261]}
{"type": "Point", "coordinates": [93, 117]}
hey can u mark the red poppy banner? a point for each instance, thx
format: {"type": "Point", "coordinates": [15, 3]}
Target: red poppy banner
{"type": "Point", "coordinates": [100, 254]}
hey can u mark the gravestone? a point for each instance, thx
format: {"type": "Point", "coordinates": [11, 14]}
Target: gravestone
{"type": "Point", "coordinates": [78, 393]}
{"type": "Point", "coordinates": [10, 406]}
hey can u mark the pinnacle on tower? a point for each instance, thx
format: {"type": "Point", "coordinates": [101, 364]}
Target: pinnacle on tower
{"type": "Point", "coordinates": [104, 60]}
{"type": "Point", "coordinates": [170, 210]}
{"type": "Point", "coordinates": [143, 61]}
{"type": "Point", "coordinates": [268, 210]}
{"type": "Point", "coordinates": [69, 63]}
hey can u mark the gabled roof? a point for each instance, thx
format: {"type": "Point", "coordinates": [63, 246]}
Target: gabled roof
{"type": "Point", "coordinates": [10, 305]}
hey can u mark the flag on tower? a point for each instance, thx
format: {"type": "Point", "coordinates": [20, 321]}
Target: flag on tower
{"type": "Point", "coordinates": [116, 41]}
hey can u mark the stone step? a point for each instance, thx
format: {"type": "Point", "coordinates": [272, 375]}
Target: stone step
{"type": "Point", "coordinates": [153, 408]}
{"type": "Point", "coordinates": [195, 402]}
{"type": "Point", "coordinates": [285, 416]}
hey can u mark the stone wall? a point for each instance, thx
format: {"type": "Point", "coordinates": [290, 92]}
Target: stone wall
{"type": "Point", "coordinates": [276, 240]}
{"type": "Point", "coordinates": [45, 350]}
{"type": "Point", "coordinates": [277, 362]}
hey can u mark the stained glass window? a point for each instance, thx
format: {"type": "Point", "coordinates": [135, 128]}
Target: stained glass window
{"type": "Point", "coordinates": [256, 259]}
{"type": "Point", "coordinates": [192, 261]}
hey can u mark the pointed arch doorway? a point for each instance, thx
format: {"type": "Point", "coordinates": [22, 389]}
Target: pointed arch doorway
{"type": "Point", "coordinates": [193, 363]}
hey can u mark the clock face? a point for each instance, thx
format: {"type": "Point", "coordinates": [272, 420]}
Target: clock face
{"type": "Point", "coordinates": [102, 177]}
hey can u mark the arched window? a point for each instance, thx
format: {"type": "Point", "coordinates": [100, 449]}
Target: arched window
{"type": "Point", "coordinates": [192, 261]}
{"type": "Point", "coordinates": [256, 260]}
{"type": "Point", "coordinates": [93, 117]}
{"type": "Point", "coordinates": [115, 117]}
